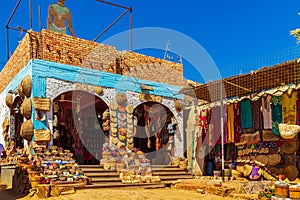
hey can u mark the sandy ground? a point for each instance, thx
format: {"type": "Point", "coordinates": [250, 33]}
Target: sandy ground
{"type": "Point", "coordinates": [128, 194]}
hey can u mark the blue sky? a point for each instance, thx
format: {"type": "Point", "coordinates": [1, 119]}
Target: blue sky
{"type": "Point", "coordinates": [230, 31]}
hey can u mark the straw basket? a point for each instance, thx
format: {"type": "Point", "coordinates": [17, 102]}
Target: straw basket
{"type": "Point", "coordinates": [27, 130]}
{"type": "Point", "coordinates": [294, 193]}
{"type": "Point", "coordinates": [282, 190]}
{"type": "Point", "coordinates": [9, 99]}
{"type": "Point", "coordinates": [99, 91]}
{"type": "Point", "coordinates": [35, 178]}
{"type": "Point", "coordinates": [41, 104]}
{"type": "Point", "coordinates": [19, 90]}
{"type": "Point", "coordinates": [42, 135]}
{"type": "Point", "coordinates": [26, 86]}
{"type": "Point", "coordinates": [178, 105]}
{"type": "Point", "coordinates": [26, 108]}
{"type": "Point", "coordinates": [121, 98]}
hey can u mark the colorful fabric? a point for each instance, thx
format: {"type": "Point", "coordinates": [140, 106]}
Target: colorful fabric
{"type": "Point", "coordinates": [267, 111]}
{"type": "Point", "coordinates": [289, 100]}
{"type": "Point", "coordinates": [246, 114]}
{"type": "Point", "coordinates": [257, 115]}
{"type": "Point", "coordinates": [276, 114]}
{"type": "Point", "coordinates": [216, 125]}
{"type": "Point", "coordinates": [203, 124]}
{"type": "Point", "coordinates": [230, 123]}
{"type": "Point", "coordinates": [237, 122]}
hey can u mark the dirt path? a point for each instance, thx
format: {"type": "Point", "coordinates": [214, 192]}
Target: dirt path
{"type": "Point", "coordinates": [126, 194]}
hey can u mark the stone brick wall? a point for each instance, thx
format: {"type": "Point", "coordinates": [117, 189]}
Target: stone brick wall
{"type": "Point", "coordinates": [17, 61]}
{"type": "Point", "coordinates": [65, 49]}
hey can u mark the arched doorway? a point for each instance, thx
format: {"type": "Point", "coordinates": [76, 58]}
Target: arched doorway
{"type": "Point", "coordinates": [77, 125]}
{"type": "Point", "coordinates": [155, 129]}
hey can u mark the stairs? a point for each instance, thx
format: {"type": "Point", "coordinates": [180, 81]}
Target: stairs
{"type": "Point", "coordinates": [170, 173]}
{"type": "Point", "coordinates": [110, 179]}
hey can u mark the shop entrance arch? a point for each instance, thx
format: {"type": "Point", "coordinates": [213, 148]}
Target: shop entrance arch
{"type": "Point", "coordinates": [156, 127]}
{"type": "Point", "coordinates": [77, 125]}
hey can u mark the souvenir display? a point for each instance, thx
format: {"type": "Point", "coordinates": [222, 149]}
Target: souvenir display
{"type": "Point", "coordinates": [132, 167]}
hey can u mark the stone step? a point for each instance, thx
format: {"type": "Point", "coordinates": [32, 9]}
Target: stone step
{"type": "Point", "coordinates": [167, 169]}
{"type": "Point", "coordinates": [158, 173]}
{"type": "Point", "coordinates": [105, 179]}
{"type": "Point", "coordinates": [101, 174]}
{"type": "Point", "coordinates": [174, 177]}
{"type": "Point", "coordinates": [85, 170]}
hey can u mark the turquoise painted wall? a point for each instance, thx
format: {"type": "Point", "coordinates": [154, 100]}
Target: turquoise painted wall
{"type": "Point", "coordinates": [42, 69]}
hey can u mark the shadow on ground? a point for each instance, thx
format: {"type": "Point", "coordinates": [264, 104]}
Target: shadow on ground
{"type": "Point", "coordinates": [9, 194]}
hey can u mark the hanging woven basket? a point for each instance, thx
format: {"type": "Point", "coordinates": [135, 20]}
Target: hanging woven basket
{"type": "Point", "coordinates": [178, 105]}
{"type": "Point", "coordinates": [27, 130]}
{"type": "Point", "coordinates": [121, 98]}
{"type": "Point", "coordinates": [99, 91]}
{"type": "Point", "coordinates": [9, 99]}
{"type": "Point", "coordinates": [20, 92]}
{"type": "Point", "coordinates": [42, 104]}
{"type": "Point", "coordinates": [26, 108]}
{"type": "Point", "coordinates": [26, 86]}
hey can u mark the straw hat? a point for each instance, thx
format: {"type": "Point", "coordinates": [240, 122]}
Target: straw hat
{"type": "Point", "coordinates": [130, 140]}
{"type": "Point", "coordinates": [129, 135]}
{"type": "Point", "coordinates": [129, 109]}
{"type": "Point", "coordinates": [129, 131]}
{"type": "Point", "coordinates": [268, 136]}
{"type": "Point", "coordinates": [290, 160]}
{"type": "Point", "coordinates": [245, 169]}
{"type": "Point", "coordinates": [291, 172]}
{"type": "Point", "coordinates": [115, 140]}
{"type": "Point", "coordinates": [274, 159]}
{"type": "Point", "coordinates": [113, 113]}
{"type": "Point", "coordinates": [275, 170]}
{"type": "Point", "coordinates": [114, 125]}
{"type": "Point", "coordinates": [288, 131]}
{"type": "Point", "coordinates": [114, 130]}
{"type": "Point", "coordinates": [113, 119]}
{"type": "Point", "coordinates": [130, 145]}
{"type": "Point", "coordinates": [120, 144]}
{"type": "Point", "coordinates": [290, 147]}
{"type": "Point", "coordinates": [158, 99]}
{"type": "Point", "coordinates": [261, 160]}
{"type": "Point", "coordinates": [54, 147]}
{"type": "Point", "coordinates": [248, 151]}
{"type": "Point", "coordinates": [129, 121]}
{"type": "Point", "coordinates": [121, 98]}
{"type": "Point", "coordinates": [130, 126]}
{"type": "Point", "coordinates": [129, 116]}
{"type": "Point", "coordinates": [113, 105]}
